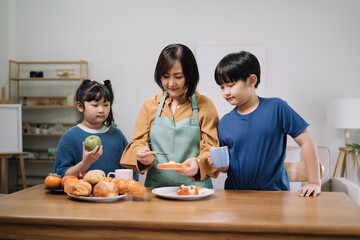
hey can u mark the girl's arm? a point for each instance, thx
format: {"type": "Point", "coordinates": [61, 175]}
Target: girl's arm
{"type": "Point", "coordinates": [311, 159]}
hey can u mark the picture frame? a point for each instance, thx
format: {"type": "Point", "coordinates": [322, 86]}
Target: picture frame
{"type": "Point", "coordinates": [11, 128]}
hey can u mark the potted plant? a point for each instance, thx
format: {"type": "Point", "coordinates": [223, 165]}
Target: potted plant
{"type": "Point", "coordinates": [356, 148]}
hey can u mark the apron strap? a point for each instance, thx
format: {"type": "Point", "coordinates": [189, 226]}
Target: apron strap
{"type": "Point", "coordinates": [193, 103]}
{"type": "Point", "coordinates": [161, 104]}
{"type": "Point", "coordinates": [194, 108]}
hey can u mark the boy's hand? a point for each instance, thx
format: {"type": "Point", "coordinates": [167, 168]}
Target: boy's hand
{"type": "Point", "coordinates": [192, 168]}
{"type": "Point", "coordinates": [145, 156]}
{"type": "Point", "coordinates": [210, 161]}
{"type": "Point", "coordinates": [309, 189]}
{"type": "Point", "coordinates": [223, 169]}
{"type": "Point", "coordinates": [89, 157]}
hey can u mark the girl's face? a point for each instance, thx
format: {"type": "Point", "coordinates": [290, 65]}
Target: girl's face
{"type": "Point", "coordinates": [174, 81]}
{"type": "Point", "coordinates": [95, 113]}
{"type": "Point", "coordinates": [238, 93]}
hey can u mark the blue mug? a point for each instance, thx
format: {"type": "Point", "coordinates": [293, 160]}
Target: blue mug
{"type": "Point", "coordinates": [220, 156]}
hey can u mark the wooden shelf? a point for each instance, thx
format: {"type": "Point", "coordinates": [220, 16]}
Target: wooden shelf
{"type": "Point", "coordinates": [43, 134]}
{"type": "Point", "coordinates": [47, 107]}
{"type": "Point", "coordinates": [45, 79]}
{"type": "Point", "coordinates": [48, 97]}
{"type": "Point", "coordinates": [49, 160]}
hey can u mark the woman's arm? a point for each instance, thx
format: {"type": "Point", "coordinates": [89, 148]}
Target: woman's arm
{"type": "Point", "coordinates": [139, 142]}
{"type": "Point", "coordinates": [311, 159]}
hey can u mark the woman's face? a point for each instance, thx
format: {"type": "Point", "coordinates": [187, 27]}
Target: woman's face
{"type": "Point", "coordinates": [174, 81]}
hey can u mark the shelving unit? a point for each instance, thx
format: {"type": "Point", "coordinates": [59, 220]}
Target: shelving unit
{"type": "Point", "coordinates": [46, 91]}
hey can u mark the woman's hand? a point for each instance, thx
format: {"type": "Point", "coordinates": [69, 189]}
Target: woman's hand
{"type": "Point", "coordinates": [192, 168]}
{"type": "Point", "coordinates": [145, 156]}
{"type": "Point", "coordinates": [89, 157]}
{"type": "Point", "coordinates": [309, 189]}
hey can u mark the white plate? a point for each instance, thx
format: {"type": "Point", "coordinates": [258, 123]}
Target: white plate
{"type": "Point", "coordinates": [97, 199]}
{"type": "Point", "coordinates": [170, 192]}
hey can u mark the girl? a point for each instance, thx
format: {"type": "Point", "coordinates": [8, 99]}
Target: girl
{"type": "Point", "coordinates": [178, 121]}
{"type": "Point", "coordinates": [93, 101]}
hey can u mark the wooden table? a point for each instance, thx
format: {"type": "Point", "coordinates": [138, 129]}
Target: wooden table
{"type": "Point", "coordinates": [4, 157]}
{"type": "Point", "coordinates": [33, 213]}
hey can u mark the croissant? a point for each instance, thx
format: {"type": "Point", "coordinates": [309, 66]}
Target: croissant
{"type": "Point", "coordinates": [189, 190]}
{"type": "Point", "coordinates": [83, 188]}
{"type": "Point", "coordinates": [70, 185]}
{"type": "Point", "coordinates": [105, 189]}
{"type": "Point", "coordinates": [94, 176]}
{"type": "Point", "coordinates": [110, 179]}
{"type": "Point", "coordinates": [130, 187]}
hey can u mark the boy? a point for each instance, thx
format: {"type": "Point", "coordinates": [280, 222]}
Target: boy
{"type": "Point", "coordinates": [255, 131]}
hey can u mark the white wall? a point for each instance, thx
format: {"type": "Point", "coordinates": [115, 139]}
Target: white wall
{"type": "Point", "coordinates": [311, 47]}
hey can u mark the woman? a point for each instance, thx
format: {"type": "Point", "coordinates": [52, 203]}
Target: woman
{"type": "Point", "coordinates": [178, 121]}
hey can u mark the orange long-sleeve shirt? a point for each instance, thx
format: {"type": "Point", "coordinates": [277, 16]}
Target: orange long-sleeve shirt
{"type": "Point", "coordinates": [208, 122]}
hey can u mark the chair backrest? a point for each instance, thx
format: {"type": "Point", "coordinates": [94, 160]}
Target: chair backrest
{"type": "Point", "coordinates": [297, 171]}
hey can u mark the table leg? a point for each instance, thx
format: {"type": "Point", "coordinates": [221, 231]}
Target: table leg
{"type": "Point", "coordinates": [3, 174]}
{"type": "Point", "coordinates": [23, 172]}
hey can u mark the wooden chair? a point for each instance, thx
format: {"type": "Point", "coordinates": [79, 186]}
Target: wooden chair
{"type": "Point", "coordinates": [297, 171]}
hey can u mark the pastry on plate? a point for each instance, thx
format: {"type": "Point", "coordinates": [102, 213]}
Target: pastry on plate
{"type": "Point", "coordinates": [105, 189]}
{"type": "Point", "coordinates": [189, 190]}
{"type": "Point", "coordinates": [94, 176]}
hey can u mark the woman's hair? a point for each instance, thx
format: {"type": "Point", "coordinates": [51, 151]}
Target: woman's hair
{"type": "Point", "coordinates": [92, 90]}
{"type": "Point", "coordinates": [237, 66]}
{"type": "Point", "coordinates": [166, 61]}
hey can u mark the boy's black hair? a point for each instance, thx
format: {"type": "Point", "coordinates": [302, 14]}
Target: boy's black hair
{"type": "Point", "coordinates": [237, 66]}
{"type": "Point", "coordinates": [92, 90]}
{"type": "Point", "coordinates": [166, 61]}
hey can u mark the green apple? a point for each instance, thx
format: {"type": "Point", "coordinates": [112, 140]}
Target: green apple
{"type": "Point", "coordinates": [91, 142]}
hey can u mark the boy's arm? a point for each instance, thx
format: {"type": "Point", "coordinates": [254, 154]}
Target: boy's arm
{"type": "Point", "coordinates": [311, 159]}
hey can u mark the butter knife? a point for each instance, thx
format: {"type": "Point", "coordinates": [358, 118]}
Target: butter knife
{"type": "Point", "coordinates": [160, 153]}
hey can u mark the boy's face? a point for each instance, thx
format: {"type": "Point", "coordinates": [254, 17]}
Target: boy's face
{"type": "Point", "coordinates": [237, 93]}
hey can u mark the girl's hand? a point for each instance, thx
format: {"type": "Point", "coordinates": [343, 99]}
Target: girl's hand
{"type": "Point", "coordinates": [89, 157]}
{"type": "Point", "coordinates": [145, 156]}
{"type": "Point", "coordinates": [309, 189]}
{"type": "Point", "coordinates": [192, 168]}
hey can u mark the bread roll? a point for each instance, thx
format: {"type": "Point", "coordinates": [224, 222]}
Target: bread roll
{"type": "Point", "coordinates": [70, 185]}
{"type": "Point", "coordinates": [105, 189]}
{"type": "Point", "coordinates": [94, 176]}
{"type": "Point", "coordinates": [188, 190]}
{"type": "Point", "coordinates": [110, 179]}
{"type": "Point", "coordinates": [131, 187]}
{"type": "Point", "coordinates": [83, 188]}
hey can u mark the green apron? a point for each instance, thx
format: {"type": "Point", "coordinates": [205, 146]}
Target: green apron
{"type": "Point", "coordinates": [181, 140]}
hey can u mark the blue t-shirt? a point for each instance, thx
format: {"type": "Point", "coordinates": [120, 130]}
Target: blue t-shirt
{"type": "Point", "coordinates": [70, 151]}
{"type": "Point", "coordinates": [257, 144]}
